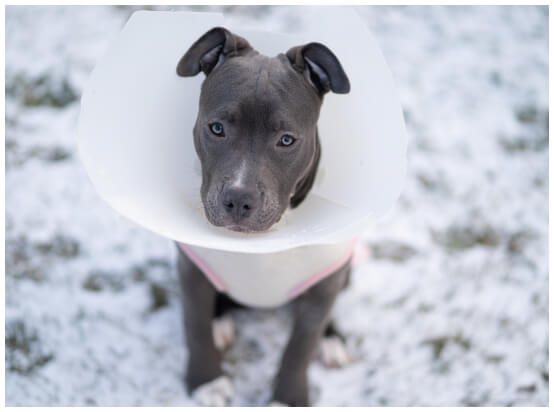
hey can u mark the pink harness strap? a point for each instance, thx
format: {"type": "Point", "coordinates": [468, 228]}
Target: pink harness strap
{"type": "Point", "coordinates": [204, 267]}
{"type": "Point", "coordinates": [316, 277]}
{"type": "Point", "coordinates": [356, 251]}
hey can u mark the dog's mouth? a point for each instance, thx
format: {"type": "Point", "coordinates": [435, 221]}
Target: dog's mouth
{"type": "Point", "coordinates": [244, 226]}
{"type": "Point", "coordinates": [242, 229]}
{"type": "Point", "coordinates": [261, 221]}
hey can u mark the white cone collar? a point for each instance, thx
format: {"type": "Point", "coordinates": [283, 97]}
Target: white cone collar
{"type": "Point", "coordinates": [137, 116]}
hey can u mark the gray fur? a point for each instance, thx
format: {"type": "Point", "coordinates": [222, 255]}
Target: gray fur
{"type": "Point", "coordinates": [311, 315]}
{"type": "Point", "coordinates": [257, 99]}
{"type": "Point", "coordinates": [249, 179]}
{"type": "Point", "coordinates": [204, 363]}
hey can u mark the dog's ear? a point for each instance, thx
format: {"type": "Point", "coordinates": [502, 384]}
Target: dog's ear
{"type": "Point", "coordinates": [210, 50]}
{"type": "Point", "coordinates": [320, 67]}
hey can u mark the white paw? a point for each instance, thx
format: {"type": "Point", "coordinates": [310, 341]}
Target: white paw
{"type": "Point", "coordinates": [277, 404]}
{"type": "Point", "coordinates": [223, 330]}
{"type": "Point", "coordinates": [334, 353]}
{"type": "Point", "coordinates": [215, 393]}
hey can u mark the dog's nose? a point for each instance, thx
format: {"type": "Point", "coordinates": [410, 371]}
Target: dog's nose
{"type": "Point", "coordinates": [239, 202]}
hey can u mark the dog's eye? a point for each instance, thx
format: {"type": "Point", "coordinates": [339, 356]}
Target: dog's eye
{"type": "Point", "coordinates": [286, 140]}
{"type": "Point", "coordinates": [217, 129]}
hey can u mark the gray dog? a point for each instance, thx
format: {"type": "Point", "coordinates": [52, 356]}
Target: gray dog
{"type": "Point", "coordinates": [257, 140]}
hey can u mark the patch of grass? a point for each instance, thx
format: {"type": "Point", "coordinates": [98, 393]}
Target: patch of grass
{"type": "Point", "coordinates": [425, 308]}
{"type": "Point", "coordinates": [427, 182]}
{"type": "Point", "coordinates": [462, 237]}
{"type": "Point", "coordinates": [30, 272]}
{"type": "Point", "coordinates": [495, 78]}
{"type": "Point", "coordinates": [93, 283]}
{"type": "Point", "coordinates": [24, 351]}
{"type": "Point", "coordinates": [527, 388]}
{"type": "Point", "coordinates": [15, 156]}
{"type": "Point", "coordinates": [535, 136]}
{"type": "Point", "coordinates": [18, 250]}
{"type": "Point", "coordinates": [523, 143]}
{"type": "Point", "coordinates": [158, 294]}
{"type": "Point", "coordinates": [44, 90]}
{"type": "Point", "coordinates": [60, 245]}
{"type": "Point", "coordinates": [22, 261]}
{"type": "Point", "coordinates": [438, 344]}
{"type": "Point", "coordinates": [28, 260]}
{"type": "Point", "coordinates": [396, 303]}
{"type": "Point", "coordinates": [57, 154]}
{"type": "Point", "coordinates": [11, 144]}
{"type": "Point", "coordinates": [517, 241]}
{"type": "Point", "coordinates": [158, 262]}
{"type": "Point", "coordinates": [51, 154]}
{"type": "Point", "coordinates": [258, 11]}
{"type": "Point", "coordinates": [98, 280]}
{"type": "Point", "coordinates": [149, 271]}
{"type": "Point", "coordinates": [140, 272]}
{"type": "Point", "coordinates": [527, 114]}
{"type": "Point", "coordinates": [392, 250]}
{"type": "Point", "coordinates": [494, 358]}
{"type": "Point", "coordinates": [90, 402]}
{"type": "Point", "coordinates": [483, 399]}
{"type": "Point", "coordinates": [433, 182]}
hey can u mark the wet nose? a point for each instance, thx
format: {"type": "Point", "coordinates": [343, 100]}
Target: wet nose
{"type": "Point", "coordinates": [240, 202]}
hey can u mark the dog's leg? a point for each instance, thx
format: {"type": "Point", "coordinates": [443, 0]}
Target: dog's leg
{"type": "Point", "coordinates": [223, 325]}
{"type": "Point", "coordinates": [333, 350]}
{"type": "Point", "coordinates": [311, 315]}
{"type": "Point", "coordinates": [204, 376]}
{"type": "Point", "coordinates": [334, 353]}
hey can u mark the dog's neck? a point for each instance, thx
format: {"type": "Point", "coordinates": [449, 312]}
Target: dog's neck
{"type": "Point", "coordinates": [304, 186]}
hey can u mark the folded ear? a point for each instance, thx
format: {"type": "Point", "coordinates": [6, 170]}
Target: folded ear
{"type": "Point", "coordinates": [210, 50]}
{"type": "Point", "coordinates": [320, 66]}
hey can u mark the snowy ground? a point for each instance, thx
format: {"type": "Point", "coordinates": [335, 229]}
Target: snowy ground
{"type": "Point", "coordinates": [451, 310]}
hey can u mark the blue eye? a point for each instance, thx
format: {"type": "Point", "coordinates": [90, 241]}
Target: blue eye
{"type": "Point", "coordinates": [217, 129]}
{"type": "Point", "coordinates": [286, 140]}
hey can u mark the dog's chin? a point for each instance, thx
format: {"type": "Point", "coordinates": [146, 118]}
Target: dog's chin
{"type": "Point", "coordinates": [233, 226]}
{"type": "Point", "coordinates": [244, 226]}
{"type": "Point", "coordinates": [242, 229]}
{"type": "Point", "coordinates": [250, 227]}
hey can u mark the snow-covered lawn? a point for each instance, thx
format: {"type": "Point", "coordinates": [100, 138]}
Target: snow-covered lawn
{"type": "Point", "coordinates": [452, 307]}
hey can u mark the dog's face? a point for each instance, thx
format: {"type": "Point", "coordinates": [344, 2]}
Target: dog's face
{"type": "Point", "coordinates": [256, 130]}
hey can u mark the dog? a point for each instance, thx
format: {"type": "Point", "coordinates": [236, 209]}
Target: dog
{"type": "Point", "coordinates": [257, 140]}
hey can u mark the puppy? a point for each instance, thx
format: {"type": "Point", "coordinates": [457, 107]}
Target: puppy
{"type": "Point", "coordinates": [257, 140]}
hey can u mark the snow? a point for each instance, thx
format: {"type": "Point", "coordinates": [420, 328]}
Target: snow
{"type": "Point", "coordinates": [451, 309]}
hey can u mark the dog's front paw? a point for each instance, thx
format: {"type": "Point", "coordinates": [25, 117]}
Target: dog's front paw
{"type": "Point", "coordinates": [223, 330]}
{"type": "Point", "coordinates": [275, 404]}
{"type": "Point", "coordinates": [334, 353]}
{"type": "Point", "coordinates": [215, 393]}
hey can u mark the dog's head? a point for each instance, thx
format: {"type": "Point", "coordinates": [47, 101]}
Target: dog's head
{"type": "Point", "coordinates": [256, 130]}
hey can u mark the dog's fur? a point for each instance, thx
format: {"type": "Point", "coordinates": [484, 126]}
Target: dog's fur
{"type": "Point", "coordinates": [248, 103]}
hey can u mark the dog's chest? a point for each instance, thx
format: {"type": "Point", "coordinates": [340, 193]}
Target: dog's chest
{"type": "Point", "coordinates": [269, 279]}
